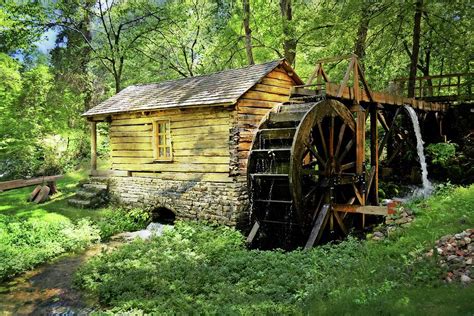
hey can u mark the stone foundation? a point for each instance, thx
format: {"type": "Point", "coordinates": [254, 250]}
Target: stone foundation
{"type": "Point", "coordinates": [223, 203]}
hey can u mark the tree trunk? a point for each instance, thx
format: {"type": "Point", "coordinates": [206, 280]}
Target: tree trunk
{"type": "Point", "coordinates": [117, 83]}
{"type": "Point", "coordinates": [248, 32]}
{"type": "Point", "coordinates": [86, 55]}
{"type": "Point", "coordinates": [415, 48]}
{"type": "Point", "coordinates": [289, 40]}
{"type": "Point", "coordinates": [359, 47]}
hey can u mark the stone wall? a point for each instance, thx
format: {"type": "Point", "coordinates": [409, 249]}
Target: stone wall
{"type": "Point", "coordinates": [219, 202]}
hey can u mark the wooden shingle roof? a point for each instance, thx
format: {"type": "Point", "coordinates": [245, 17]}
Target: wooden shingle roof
{"type": "Point", "coordinates": [220, 88]}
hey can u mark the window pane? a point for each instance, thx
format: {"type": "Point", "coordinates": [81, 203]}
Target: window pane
{"type": "Point", "coordinates": [161, 139]}
{"type": "Point", "coordinates": [168, 152]}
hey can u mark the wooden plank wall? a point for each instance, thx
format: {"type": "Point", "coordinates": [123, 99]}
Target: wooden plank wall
{"type": "Point", "coordinates": [200, 140]}
{"type": "Point", "coordinates": [253, 105]}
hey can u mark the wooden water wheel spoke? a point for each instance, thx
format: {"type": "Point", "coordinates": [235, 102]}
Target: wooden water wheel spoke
{"type": "Point", "coordinates": [323, 140]}
{"type": "Point", "coordinates": [347, 166]}
{"type": "Point", "coordinates": [315, 154]}
{"type": "Point", "coordinates": [340, 221]}
{"type": "Point", "coordinates": [358, 195]}
{"type": "Point", "coordinates": [339, 141]}
{"type": "Point", "coordinates": [331, 139]}
{"type": "Point", "coordinates": [346, 150]}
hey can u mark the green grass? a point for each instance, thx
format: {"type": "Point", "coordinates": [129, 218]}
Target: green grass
{"type": "Point", "coordinates": [207, 270]}
{"type": "Point", "coordinates": [14, 202]}
{"type": "Point", "coordinates": [31, 234]}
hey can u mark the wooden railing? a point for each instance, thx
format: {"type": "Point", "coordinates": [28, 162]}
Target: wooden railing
{"type": "Point", "coordinates": [442, 88]}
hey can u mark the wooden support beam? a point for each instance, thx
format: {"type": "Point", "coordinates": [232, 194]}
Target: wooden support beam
{"type": "Point", "coordinates": [319, 224]}
{"type": "Point", "coordinates": [93, 146]}
{"type": "Point", "coordinates": [373, 190]}
{"type": "Point", "coordinates": [360, 141]}
{"type": "Point", "coordinates": [361, 209]}
{"type": "Point", "coordinates": [387, 134]}
{"type": "Point", "coordinates": [253, 232]}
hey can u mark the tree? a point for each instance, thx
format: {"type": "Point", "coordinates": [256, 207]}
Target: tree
{"type": "Point", "coordinates": [248, 32]}
{"type": "Point", "coordinates": [21, 24]}
{"type": "Point", "coordinates": [289, 39]}
{"type": "Point", "coordinates": [415, 47]}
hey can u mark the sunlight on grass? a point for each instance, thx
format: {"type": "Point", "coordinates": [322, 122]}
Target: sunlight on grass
{"type": "Point", "coordinates": [14, 202]}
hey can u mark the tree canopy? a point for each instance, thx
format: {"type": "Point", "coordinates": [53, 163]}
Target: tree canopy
{"type": "Point", "coordinates": [103, 46]}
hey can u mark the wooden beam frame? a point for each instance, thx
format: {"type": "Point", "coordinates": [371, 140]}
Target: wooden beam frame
{"type": "Point", "coordinates": [93, 125]}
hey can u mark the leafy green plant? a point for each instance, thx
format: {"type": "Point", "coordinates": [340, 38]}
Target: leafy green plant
{"type": "Point", "coordinates": [26, 243]}
{"type": "Point", "coordinates": [115, 220]}
{"type": "Point", "coordinates": [441, 153]}
{"type": "Point", "coordinates": [203, 269]}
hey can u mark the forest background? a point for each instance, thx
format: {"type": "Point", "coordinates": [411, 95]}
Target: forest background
{"type": "Point", "coordinates": [60, 58]}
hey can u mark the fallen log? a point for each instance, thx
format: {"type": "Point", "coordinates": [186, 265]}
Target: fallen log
{"type": "Point", "coordinates": [15, 184]}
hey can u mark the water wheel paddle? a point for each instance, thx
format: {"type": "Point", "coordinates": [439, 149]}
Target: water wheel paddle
{"type": "Point", "coordinates": [301, 161]}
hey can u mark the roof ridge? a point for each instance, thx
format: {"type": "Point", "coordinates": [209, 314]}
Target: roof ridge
{"type": "Point", "coordinates": [205, 75]}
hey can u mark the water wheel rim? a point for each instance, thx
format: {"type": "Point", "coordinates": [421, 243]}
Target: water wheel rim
{"type": "Point", "coordinates": [310, 120]}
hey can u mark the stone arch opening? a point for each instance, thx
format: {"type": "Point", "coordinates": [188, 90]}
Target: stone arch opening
{"type": "Point", "coordinates": [163, 215]}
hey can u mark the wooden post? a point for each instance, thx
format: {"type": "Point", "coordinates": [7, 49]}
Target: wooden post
{"type": "Point", "coordinates": [374, 153]}
{"type": "Point", "coordinates": [93, 147]}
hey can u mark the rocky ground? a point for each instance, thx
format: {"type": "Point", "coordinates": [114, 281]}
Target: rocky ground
{"type": "Point", "coordinates": [455, 253]}
{"type": "Point", "coordinates": [402, 218]}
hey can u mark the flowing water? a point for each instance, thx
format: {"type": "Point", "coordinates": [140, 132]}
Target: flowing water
{"type": "Point", "coordinates": [49, 290]}
{"type": "Point", "coordinates": [427, 186]}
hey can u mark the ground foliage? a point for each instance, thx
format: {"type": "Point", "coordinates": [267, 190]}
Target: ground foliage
{"type": "Point", "coordinates": [31, 234]}
{"type": "Point", "coordinates": [204, 269]}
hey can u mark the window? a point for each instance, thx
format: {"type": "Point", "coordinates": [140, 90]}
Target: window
{"type": "Point", "coordinates": [162, 141]}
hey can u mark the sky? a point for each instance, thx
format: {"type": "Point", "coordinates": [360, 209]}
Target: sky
{"type": "Point", "coordinates": [47, 41]}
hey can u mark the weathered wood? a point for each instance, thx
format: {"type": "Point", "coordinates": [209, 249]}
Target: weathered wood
{"type": "Point", "coordinates": [272, 89]}
{"type": "Point", "coordinates": [174, 117]}
{"type": "Point", "coordinates": [130, 139]}
{"type": "Point", "coordinates": [176, 167]}
{"type": "Point", "coordinates": [179, 159]}
{"type": "Point", "coordinates": [277, 82]}
{"type": "Point", "coordinates": [253, 232]}
{"type": "Point", "coordinates": [332, 90]}
{"type": "Point", "coordinates": [132, 128]}
{"type": "Point", "coordinates": [35, 192]}
{"type": "Point", "coordinates": [202, 152]}
{"type": "Point", "coordinates": [264, 96]}
{"type": "Point", "coordinates": [93, 126]}
{"type": "Point", "coordinates": [43, 195]}
{"type": "Point", "coordinates": [319, 224]}
{"type": "Point", "coordinates": [280, 76]}
{"type": "Point", "coordinates": [132, 153]}
{"type": "Point", "coordinates": [257, 103]}
{"type": "Point", "coordinates": [365, 209]}
{"type": "Point", "coordinates": [374, 156]}
{"type": "Point", "coordinates": [14, 184]}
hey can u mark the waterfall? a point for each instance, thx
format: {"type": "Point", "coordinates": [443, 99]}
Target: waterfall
{"type": "Point", "coordinates": [427, 186]}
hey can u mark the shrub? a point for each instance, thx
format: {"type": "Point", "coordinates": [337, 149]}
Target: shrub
{"type": "Point", "coordinates": [118, 220]}
{"type": "Point", "coordinates": [202, 269]}
{"type": "Point", "coordinates": [441, 153]}
{"type": "Point", "coordinates": [26, 243]}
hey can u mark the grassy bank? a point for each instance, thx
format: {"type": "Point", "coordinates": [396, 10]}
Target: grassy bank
{"type": "Point", "coordinates": [203, 269]}
{"type": "Point", "coordinates": [31, 234]}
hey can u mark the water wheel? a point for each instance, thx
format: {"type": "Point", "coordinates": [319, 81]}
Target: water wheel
{"type": "Point", "coordinates": [302, 161]}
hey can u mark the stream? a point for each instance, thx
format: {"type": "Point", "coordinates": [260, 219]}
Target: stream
{"type": "Point", "coordinates": [48, 289]}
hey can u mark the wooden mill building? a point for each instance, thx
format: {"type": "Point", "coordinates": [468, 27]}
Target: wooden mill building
{"type": "Point", "coordinates": [183, 144]}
